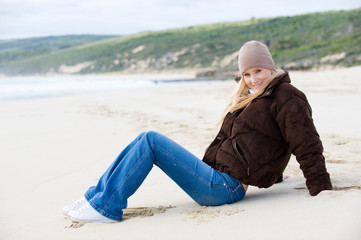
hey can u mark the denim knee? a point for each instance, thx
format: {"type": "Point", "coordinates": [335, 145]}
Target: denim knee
{"type": "Point", "coordinates": [152, 136]}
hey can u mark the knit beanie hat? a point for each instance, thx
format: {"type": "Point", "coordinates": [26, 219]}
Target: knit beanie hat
{"type": "Point", "coordinates": [254, 54]}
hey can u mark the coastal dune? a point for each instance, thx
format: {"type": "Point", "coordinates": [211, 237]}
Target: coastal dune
{"type": "Point", "coordinates": [53, 149]}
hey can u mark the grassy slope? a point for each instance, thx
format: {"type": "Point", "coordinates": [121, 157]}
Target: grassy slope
{"type": "Point", "coordinates": [12, 50]}
{"type": "Point", "coordinates": [297, 42]}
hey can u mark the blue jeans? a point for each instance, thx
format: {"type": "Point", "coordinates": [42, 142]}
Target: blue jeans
{"type": "Point", "coordinates": [201, 182]}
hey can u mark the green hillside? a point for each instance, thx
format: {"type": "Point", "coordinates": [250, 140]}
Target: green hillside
{"type": "Point", "coordinates": [12, 50]}
{"type": "Point", "coordinates": [298, 42]}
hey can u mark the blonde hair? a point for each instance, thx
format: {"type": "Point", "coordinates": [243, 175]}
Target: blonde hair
{"type": "Point", "coordinates": [242, 98]}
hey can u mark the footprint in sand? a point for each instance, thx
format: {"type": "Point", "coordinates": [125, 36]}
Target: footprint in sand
{"type": "Point", "coordinates": [144, 211]}
{"type": "Point", "coordinates": [204, 214]}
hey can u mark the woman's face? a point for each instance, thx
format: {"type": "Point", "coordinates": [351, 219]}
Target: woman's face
{"type": "Point", "coordinates": [254, 77]}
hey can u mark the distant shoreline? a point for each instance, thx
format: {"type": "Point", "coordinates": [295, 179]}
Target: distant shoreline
{"type": "Point", "coordinates": [23, 88]}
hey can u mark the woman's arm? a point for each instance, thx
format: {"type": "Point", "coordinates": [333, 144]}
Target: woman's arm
{"type": "Point", "coordinates": [296, 124]}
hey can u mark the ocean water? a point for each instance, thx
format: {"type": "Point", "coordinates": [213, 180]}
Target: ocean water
{"type": "Point", "coordinates": [27, 88]}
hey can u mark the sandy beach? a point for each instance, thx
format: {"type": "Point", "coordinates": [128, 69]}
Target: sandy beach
{"type": "Point", "coordinates": [53, 149]}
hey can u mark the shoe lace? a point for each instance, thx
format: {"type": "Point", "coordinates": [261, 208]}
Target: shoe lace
{"type": "Point", "coordinates": [79, 201]}
{"type": "Point", "coordinates": [84, 207]}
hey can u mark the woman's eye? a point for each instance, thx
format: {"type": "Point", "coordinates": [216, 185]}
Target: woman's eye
{"type": "Point", "coordinates": [246, 74]}
{"type": "Point", "coordinates": [259, 70]}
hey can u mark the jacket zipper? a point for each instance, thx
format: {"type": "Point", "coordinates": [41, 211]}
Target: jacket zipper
{"type": "Point", "coordinates": [240, 156]}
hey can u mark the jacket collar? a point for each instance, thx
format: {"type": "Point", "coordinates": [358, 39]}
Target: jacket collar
{"type": "Point", "coordinates": [284, 78]}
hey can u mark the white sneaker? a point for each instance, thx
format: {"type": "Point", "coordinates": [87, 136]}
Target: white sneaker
{"type": "Point", "coordinates": [87, 214]}
{"type": "Point", "coordinates": [75, 206]}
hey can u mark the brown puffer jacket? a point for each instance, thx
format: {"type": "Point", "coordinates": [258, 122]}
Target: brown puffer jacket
{"type": "Point", "coordinates": [255, 143]}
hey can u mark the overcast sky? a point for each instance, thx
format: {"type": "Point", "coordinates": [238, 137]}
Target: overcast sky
{"type": "Point", "coordinates": [34, 18]}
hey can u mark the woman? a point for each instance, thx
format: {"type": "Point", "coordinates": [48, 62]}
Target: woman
{"type": "Point", "coordinates": [266, 121]}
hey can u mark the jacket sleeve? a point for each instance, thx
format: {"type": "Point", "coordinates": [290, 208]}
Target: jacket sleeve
{"type": "Point", "coordinates": [295, 121]}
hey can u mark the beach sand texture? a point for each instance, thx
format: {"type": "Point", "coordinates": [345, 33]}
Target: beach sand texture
{"type": "Point", "coordinates": [52, 150]}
